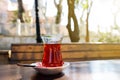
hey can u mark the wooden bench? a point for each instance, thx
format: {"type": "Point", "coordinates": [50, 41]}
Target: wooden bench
{"type": "Point", "coordinates": [70, 51]}
{"type": "Point", "coordinates": [4, 56]}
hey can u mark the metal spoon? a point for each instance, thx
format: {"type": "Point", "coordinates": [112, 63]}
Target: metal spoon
{"type": "Point", "coordinates": [25, 65]}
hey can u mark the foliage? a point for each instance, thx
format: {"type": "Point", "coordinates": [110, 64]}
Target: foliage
{"type": "Point", "coordinates": [108, 37]}
{"type": "Point", "coordinates": [77, 1]}
{"type": "Point", "coordinates": [85, 4]}
{"type": "Point", "coordinates": [26, 17]}
{"type": "Point", "coordinates": [82, 3]}
{"type": "Point", "coordinates": [14, 18]}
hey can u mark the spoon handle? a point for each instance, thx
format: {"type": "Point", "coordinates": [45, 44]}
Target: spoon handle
{"type": "Point", "coordinates": [25, 65]}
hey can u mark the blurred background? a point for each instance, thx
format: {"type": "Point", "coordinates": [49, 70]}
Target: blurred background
{"type": "Point", "coordinates": [77, 20]}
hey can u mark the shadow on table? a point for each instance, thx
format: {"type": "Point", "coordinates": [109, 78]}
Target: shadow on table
{"type": "Point", "coordinates": [39, 76]}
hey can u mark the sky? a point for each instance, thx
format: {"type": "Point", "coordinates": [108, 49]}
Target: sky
{"type": "Point", "coordinates": [101, 16]}
{"type": "Point", "coordinates": [30, 3]}
{"type": "Point", "coordinates": [101, 13]}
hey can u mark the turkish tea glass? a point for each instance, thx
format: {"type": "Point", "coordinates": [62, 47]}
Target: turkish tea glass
{"type": "Point", "coordinates": [52, 56]}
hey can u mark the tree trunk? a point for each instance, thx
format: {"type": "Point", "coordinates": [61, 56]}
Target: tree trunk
{"type": "Point", "coordinates": [87, 21]}
{"type": "Point", "coordinates": [87, 29]}
{"type": "Point", "coordinates": [74, 35]}
{"type": "Point", "coordinates": [20, 10]}
{"type": "Point", "coordinates": [59, 11]}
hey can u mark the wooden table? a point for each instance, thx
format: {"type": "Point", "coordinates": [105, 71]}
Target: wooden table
{"type": "Point", "coordinates": [83, 70]}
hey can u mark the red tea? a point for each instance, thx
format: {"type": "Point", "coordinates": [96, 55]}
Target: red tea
{"type": "Point", "coordinates": [52, 56]}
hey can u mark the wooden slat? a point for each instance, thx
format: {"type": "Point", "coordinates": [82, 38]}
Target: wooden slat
{"type": "Point", "coordinates": [69, 55]}
{"type": "Point", "coordinates": [26, 56]}
{"type": "Point", "coordinates": [71, 51]}
{"type": "Point", "coordinates": [4, 52]}
{"type": "Point", "coordinates": [27, 47]}
{"type": "Point", "coordinates": [65, 47]}
{"type": "Point", "coordinates": [90, 54]}
{"type": "Point", "coordinates": [89, 47]}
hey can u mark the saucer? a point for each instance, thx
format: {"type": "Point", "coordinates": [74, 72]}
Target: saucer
{"type": "Point", "coordinates": [49, 70]}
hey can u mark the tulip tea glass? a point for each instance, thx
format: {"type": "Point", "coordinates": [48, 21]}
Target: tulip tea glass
{"type": "Point", "coordinates": [52, 56]}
